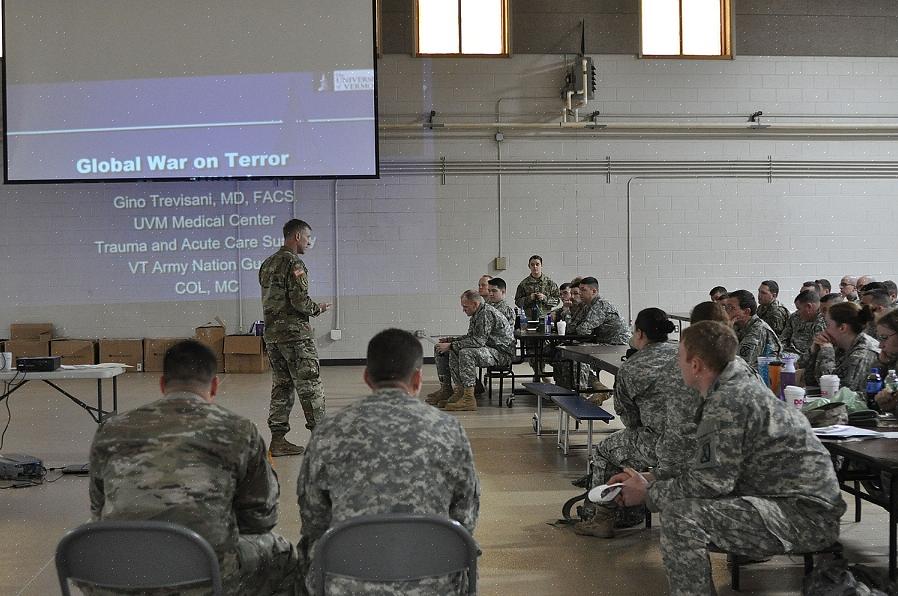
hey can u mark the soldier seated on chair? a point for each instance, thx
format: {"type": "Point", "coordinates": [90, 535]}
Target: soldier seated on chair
{"type": "Point", "coordinates": [489, 342]}
{"type": "Point", "coordinates": [183, 459]}
{"type": "Point", "coordinates": [758, 482]}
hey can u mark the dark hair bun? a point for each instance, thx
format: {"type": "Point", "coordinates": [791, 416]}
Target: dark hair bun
{"type": "Point", "coordinates": [667, 327]}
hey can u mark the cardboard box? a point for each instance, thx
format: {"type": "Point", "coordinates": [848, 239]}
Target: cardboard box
{"type": "Point", "coordinates": [41, 331]}
{"type": "Point", "coordinates": [123, 351]}
{"type": "Point", "coordinates": [212, 334]}
{"type": "Point", "coordinates": [74, 351]}
{"type": "Point", "coordinates": [245, 354]}
{"type": "Point", "coordinates": [27, 348]}
{"type": "Point", "coordinates": [154, 351]}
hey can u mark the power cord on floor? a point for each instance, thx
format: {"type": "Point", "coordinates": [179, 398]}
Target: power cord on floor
{"type": "Point", "coordinates": [10, 385]}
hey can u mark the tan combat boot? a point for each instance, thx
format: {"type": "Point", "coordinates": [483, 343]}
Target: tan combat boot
{"type": "Point", "coordinates": [443, 394]}
{"type": "Point", "coordinates": [467, 403]}
{"type": "Point", "coordinates": [601, 525]}
{"type": "Point", "coordinates": [281, 446]}
{"type": "Point", "coordinates": [452, 398]}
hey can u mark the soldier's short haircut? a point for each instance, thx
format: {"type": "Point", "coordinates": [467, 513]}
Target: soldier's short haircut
{"type": "Point", "coordinates": [823, 284]}
{"type": "Point", "coordinates": [487, 276]}
{"type": "Point", "coordinates": [471, 296]}
{"type": "Point", "coordinates": [878, 297]}
{"type": "Point", "coordinates": [708, 311]}
{"type": "Point", "coordinates": [564, 286]}
{"type": "Point", "coordinates": [576, 281]}
{"type": "Point", "coordinates": [189, 363]}
{"type": "Point", "coordinates": [890, 286]}
{"type": "Point", "coordinates": [717, 290]}
{"type": "Point", "coordinates": [772, 286]}
{"type": "Point", "coordinates": [745, 299]}
{"type": "Point", "coordinates": [591, 282]}
{"type": "Point", "coordinates": [807, 297]}
{"type": "Point", "coordinates": [537, 257]}
{"type": "Point", "coordinates": [849, 313]}
{"type": "Point", "coordinates": [874, 285]}
{"type": "Point", "coordinates": [393, 355]}
{"type": "Point", "coordinates": [654, 323]}
{"type": "Point", "coordinates": [712, 342]}
{"type": "Point", "coordinates": [809, 284]}
{"type": "Point", "coordinates": [889, 320]}
{"type": "Point", "coordinates": [498, 282]}
{"type": "Point", "coordinates": [834, 297]}
{"type": "Point", "coordinates": [295, 225]}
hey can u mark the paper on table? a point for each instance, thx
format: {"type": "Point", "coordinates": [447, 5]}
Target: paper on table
{"type": "Point", "coordinates": [92, 366]}
{"type": "Point", "coordinates": [890, 435]}
{"type": "Point", "coordinates": [841, 431]}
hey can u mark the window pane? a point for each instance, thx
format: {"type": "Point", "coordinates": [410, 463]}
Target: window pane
{"type": "Point", "coordinates": [438, 26]}
{"type": "Point", "coordinates": [481, 27]}
{"type": "Point", "coordinates": [661, 27]}
{"type": "Point", "coordinates": [701, 27]}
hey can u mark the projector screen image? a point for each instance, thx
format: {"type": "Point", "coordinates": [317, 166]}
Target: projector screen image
{"type": "Point", "coordinates": [173, 90]}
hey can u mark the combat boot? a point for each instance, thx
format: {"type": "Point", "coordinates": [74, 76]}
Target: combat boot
{"type": "Point", "coordinates": [451, 398]}
{"type": "Point", "coordinates": [479, 389]}
{"type": "Point", "coordinates": [600, 525]}
{"type": "Point", "coordinates": [280, 446]}
{"type": "Point", "coordinates": [443, 394]}
{"type": "Point", "coordinates": [467, 403]}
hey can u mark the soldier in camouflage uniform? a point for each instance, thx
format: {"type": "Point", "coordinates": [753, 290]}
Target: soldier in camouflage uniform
{"type": "Point", "coordinates": [289, 337]}
{"type": "Point", "coordinates": [802, 325]}
{"type": "Point", "coordinates": [597, 317]}
{"type": "Point", "coordinates": [562, 312]}
{"type": "Point", "coordinates": [488, 342]}
{"type": "Point", "coordinates": [185, 460]}
{"type": "Point", "coordinates": [759, 482]}
{"type": "Point", "coordinates": [536, 294]}
{"type": "Point", "coordinates": [426, 466]}
{"type": "Point", "coordinates": [887, 334]}
{"type": "Point", "coordinates": [497, 288]}
{"type": "Point", "coordinates": [770, 310]}
{"type": "Point", "coordinates": [658, 413]}
{"type": "Point", "coordinates": [843, 349]}
{"type": "Point", "coordinates": [756, 338]}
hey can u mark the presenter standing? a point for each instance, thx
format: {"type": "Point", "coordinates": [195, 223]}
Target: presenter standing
{"type": "Point", "coordinates": [289, 337]}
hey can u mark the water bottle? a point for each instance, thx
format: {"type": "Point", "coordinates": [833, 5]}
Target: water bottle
{"type": "Point", "coordinates": [891, 382]}
{"type": "Point", "coordinates": [548, 324]}
{"type": "Point", "coordinates": [874, 386]}
{"type": "Point", "coordinates": [787, 376]}
{"type": "Point", "coordinates": [522, 320]}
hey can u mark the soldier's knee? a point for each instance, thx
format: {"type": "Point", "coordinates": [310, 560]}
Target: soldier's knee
{"type": "Point", "coordinates": [308, 370]}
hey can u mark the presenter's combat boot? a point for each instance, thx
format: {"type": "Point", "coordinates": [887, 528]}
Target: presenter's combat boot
{"type": "Point", "coordinates": [451, 399]}
{"type": "Point", "coordinates": [280, 446]}
{"type": "Point", "coordinates": [441, 395]}
{"type": "Point", "coordinates": [467, 403]}
{"type": "Point", "coordinates": [600, 525]}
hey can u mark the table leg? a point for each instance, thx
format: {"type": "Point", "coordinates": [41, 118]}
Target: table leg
{"type": "Point", "coordinates": [115, 395]}
{"type": "Point", "coordinates": [893, 519]}
{"type": "Point", "coordinates": [100, 399]}
{"type": "Point", "coordinates": [567, 432]}
{"type": "Point", "coordinates": [588, 446]}
{"type": "Point", "coordinates": [560, 429]}
{"type": "Point", "coordinates": [539, 414]}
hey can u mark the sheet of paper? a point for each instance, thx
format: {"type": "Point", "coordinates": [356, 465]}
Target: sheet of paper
{"type": "Point", "coordinates": [841, 431]}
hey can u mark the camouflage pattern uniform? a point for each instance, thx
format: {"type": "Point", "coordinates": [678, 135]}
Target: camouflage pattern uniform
{"type": "Point", "coordinates": [348, 470]}
{"type": "Point", "coordinates": [798, 335]}
{"type": "Point", "coordinates": [658, 412]}
{"type": "Point", "coordinates": [542, 285]}
{"type": "Point", "coordinates": [851, 366]}
{"type": "Point", "coordinates": [183, 460]}
{"type": "Point", "coordinates": [504, 309]}
{"type": "Point", "coordinates": [602, 317]}
{"type": "Point", "coordinates": [759, 483]}
{"type": "Point", "coordinates": [489, 342]}
{"type": "Point", "coordinates": [290, 340]}
{"type": "Point", "coordinates": [757, 339]}
{"type": "Point", "coordinates": [775, 315]}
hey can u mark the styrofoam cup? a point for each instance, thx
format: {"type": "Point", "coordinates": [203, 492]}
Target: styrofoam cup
{"type": "Point", "coordinates": [829, 385]}
{"type": "Point", "coordinates": [794, 395]}
{"type": "Point", "coordinates": [561, 326]}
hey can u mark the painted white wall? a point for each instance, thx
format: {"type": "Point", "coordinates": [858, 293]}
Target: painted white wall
{"type": "Point", "coordinates": [408, 245]}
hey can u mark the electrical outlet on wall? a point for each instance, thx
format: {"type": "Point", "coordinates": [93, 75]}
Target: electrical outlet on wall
{"type": "Point", "coordinates": [500, 264]}
{"type": "Point", "coordinates": [336, 334]}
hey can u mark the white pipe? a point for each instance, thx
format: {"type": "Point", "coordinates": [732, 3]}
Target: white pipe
{"type": "Point", "coordinates": [651, 126]}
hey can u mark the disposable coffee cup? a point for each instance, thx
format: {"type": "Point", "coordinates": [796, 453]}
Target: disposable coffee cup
{"type": "Point", "coordinates": [561, 326]}
{"type": "Point", "coordinates": [794, 395]}
{"type": "Point", "coordinates": [829, 386]}
{"type": "Point", "coordinates": [6, 361]}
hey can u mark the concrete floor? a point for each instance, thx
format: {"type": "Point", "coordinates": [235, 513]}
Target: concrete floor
{"type": "Point", "coordinates": [525, 480]}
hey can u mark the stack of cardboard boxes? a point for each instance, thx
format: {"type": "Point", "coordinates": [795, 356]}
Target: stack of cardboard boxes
{"type": "Point", "coordinates": [235, 353]}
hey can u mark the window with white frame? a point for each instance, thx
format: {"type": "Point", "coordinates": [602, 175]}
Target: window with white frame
{"type": "Point", "coordinates": [461, 27]}
{"type": "Point", "coordinates": [685, 28]}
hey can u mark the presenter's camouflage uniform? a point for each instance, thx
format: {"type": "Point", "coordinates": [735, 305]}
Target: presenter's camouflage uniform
{"type": "Point", "coordinates": [759, 483]}
{"type": "Point", "coordinates": [183, 460]}
{"type": "Point", "coordinates": [425, 467]}
{"type": "Point", "coordinates": [658, 412]}
{"type": "Point", "coordinates": [489, 342]}
{"type": "Point", "coordinates": [851, 366]}
{"type": "Point", "coordinates": [601, 317]}
{"type": "Point", "coordinates": [539, 285]}
{"type": "Point", "coordinates": [504, 309]}
{"type": "Point", "coordinates": [290, 340]}
{"type": "Point", "coordinates": [756, 338]}
{"type": "Point", "coordinates": [775, 315]}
